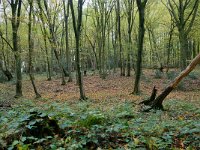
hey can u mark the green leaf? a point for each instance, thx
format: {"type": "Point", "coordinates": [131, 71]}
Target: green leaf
{"type": "Point", "coordinates": [15, 143]}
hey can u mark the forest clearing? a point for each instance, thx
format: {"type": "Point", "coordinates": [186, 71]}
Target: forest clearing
{"type": "Point", "coordinates": [99, 75]}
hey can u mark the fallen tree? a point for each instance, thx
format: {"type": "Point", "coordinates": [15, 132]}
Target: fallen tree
{"type": "Point", "coordinates": [157, 102]}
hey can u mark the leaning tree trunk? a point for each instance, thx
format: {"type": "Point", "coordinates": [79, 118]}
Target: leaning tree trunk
{"type": "Point", "coordinates": [156, 103]}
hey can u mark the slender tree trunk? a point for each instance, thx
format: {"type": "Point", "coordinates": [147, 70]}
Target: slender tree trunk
{"type": "Point", "coordinates": [128, 55]}
{"type": "Point", "coordinates": [47, 58]}
{"type": "Point", "coordinates": [31, 47]}
{"type": "Point", "coordinates": [6, 72]}
{"type": "Point", "coordinates": [194, 49]}
{"type": "Point", "coordinates": [130, 20]}
{"type": "Point", "coordinates": [77, 32]}
{"type": "Point", "coordinates": [169, 48]}
{"type": "Point", "coordinates": [6, 29]}
{"type": "Point", "coordinates": [114, 43]}
{"type": "Point", "coordinates": [93, 46]}
{"type": "Point", "coordinates": [119, 38]}
{"type": "Point", "coordinates": [60, 46]}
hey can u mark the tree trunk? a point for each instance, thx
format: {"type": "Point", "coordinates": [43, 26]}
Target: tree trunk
{"type": "Point", "coordinates": [18, 75]}
{"type": "Point", "coordinates": [169, 51]}
{"type": "Point", "coordinates": [130, 21]}
{"type": "Point", "coordinates": [114, 44]}
{"type": "Point", "coordinates": [31, 47]}
{"type": "Point", "coordinates": [119, 38]}
{"type": "Point", "coordinates": [141, 8]}
{"type": "Point", "coordinates": [47, 58]}
{"type": "Point", "coordinates": [77, 32]}
{"type": "Point", "coordinates": [184, 22]}
{"type": "Point", "coordinates": [6, 72]}
{"type": "Point", "coordinates": [156, 103]}
{"type": "Point", "coordinates": [194, 49]}
{"type": "Point", "coordinates": [66, 16]}
{"type": "Point", "coordinates": [183, 49]}
{"type": "Point", "coordinates": [16, 13]}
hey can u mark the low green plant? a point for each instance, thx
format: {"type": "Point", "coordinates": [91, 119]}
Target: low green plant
{"type": "Point", "coordinates": [193, 76]}
{"type": "Point", "coordinates": [39, 125]}
{"type": "Point", "coordinates": [121, 126]}
{"type": "Point", "coordinates": [158, 74]}
{"type": "Point", "coordinates": [181, 86]}
{"type": "Point", "coordinates": [171, 75]}
{"type": "Point", "coordinates": [91, 118]}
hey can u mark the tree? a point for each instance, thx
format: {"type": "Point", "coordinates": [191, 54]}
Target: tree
{"type": "Point", "coordinates": [15, 21]}
{"type": "Point", "coordinates": [5, 51]}
{"type": "Point", "coordinates": [141, 8]}
{"type": "Point", "coordinates": [102, 10]}
{"type": "Point", "coordinates": [6, 72]}
{"type": "Point", "coordinates": [119, 38]}
{"type": "Point", "coordinates": [129, 4]}
{"type": "Point", "coordinates": [52, 30]}
{"type": "Point", "coordinates": [183, 13]}
{"type": "Point", "coordinates": [66, 18]}
{"type": "Point", "coordinates": [31, 47]}
{"type": "Point", "coordinates": [45, 36]}
{"type": "Point", "coordinates": [77, 32]}
{"type": "Point", "coordinates": [170, 44]}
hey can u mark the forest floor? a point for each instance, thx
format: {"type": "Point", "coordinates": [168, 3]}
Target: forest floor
{"type": "Point", "coordinates": [111, 97]}
{"type": "Point", "coordinates": [113, 89]}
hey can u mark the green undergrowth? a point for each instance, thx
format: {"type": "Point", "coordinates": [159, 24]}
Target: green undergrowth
{"type": "Point", "coordinates": [122, 126]}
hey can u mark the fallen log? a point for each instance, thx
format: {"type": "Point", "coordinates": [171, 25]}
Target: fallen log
{"type": "Point", "coordinates": [157, 102]}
